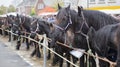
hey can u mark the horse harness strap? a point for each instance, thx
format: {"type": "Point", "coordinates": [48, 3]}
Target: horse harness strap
{"type": "Point", "coordinates": [80, 31]}
{"type": "Point", "coordinates": [84, 22]}
{"type": "Point", "coordinates": [58, 27]}
{"type": "Point", "coordinates": [70, 21]}
{"type": "Point", "coordinates": [64, 29]}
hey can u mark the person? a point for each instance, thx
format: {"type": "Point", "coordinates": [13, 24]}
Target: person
{"type": "Point", "coordinates": [51, 19]}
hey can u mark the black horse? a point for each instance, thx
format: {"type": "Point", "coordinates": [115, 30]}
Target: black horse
{"type": "Point", "coordinates": [104, 39]}
{"type": "Point", "coordinates": [10, 25]}
{"type": "Point", "coordinates": [63, 37]}
{"type": "Point", "coordinates": [24, 26]}
{"type": "Point", "coordinates": [40, 27]}
{"type": "Point", "coordinates": [92, 18]}
{"type": "Point", "coordinates": [83, 20]}
{"type": "Point", "coordinates": [63, 32]}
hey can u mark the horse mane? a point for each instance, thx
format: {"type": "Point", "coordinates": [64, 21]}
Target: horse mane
{"type": "Point", "coordinates": [98, 19]}
{"type": "Point", "coordinates": [44, 22]}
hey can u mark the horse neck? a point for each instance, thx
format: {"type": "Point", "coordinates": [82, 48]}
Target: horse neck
{"type": "Point", "coordinates": [45, 27]}
{"type": "Point", "coordinates": [74, 21]}
{"type": "Point", "coordinates": [26, 24]}
{"type": "Point", "coordinates": [98, 19]}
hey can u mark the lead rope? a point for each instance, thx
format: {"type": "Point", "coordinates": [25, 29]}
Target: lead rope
{"type": "Point", "coordinates": [89, 50]}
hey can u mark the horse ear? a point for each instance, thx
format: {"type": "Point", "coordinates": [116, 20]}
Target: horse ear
{"type": "Point", "coordinates": [80, 8]}
{"type": "Point", "coordinates": [68, 8]}
{"type": "Point", "coordinates": [59, 7]}
{"type": "Point", "coordinates": [91, 32]}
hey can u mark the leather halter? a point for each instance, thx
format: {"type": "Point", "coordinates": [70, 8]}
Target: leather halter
{"type": "Point", "coordinates": [69, 23]}
{"type": "Point", "coordinates": [64, 29]}
{"type": "Point", "coordinates": [84, 22]}
{"type": "Point", "coordinates": [21, 23]}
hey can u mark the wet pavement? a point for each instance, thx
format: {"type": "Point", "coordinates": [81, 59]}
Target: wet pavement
{"type": "Point", "coordinates": [9, 58]}
{"type": "Point", "coordinates": [23, 53]}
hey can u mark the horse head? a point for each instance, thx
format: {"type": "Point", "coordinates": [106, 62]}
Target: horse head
{"type": "Point", "coordinates": [34, 25]}
{"type": "Point", "coordinates": [64, 25]}
{"type": "Point", "coordinates": [66, 17]}
{"type": "Point", "coordinates": [16, 24]}
{"type": "Point", "coordinates": [82, 25]}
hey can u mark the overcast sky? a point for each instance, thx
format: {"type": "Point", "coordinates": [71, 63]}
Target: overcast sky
{"type": "Point", "coordinates": [8, 2]}
{"type": "Point", "coordinates": [5, 2]}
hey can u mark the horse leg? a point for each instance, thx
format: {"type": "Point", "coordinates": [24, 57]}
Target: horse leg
{"type": "Point", "coordinates": [23, 40]}
{"type": "Point", "coordinates": [82, 62]}
{"type": "Point", "coordinates": [68, 58]}
{"type": "Point", "coordinates": [14, 37]}
{"type": "Point", "coordinates": [0, 31]}
{"type": "Point", "coordinates": [27, 44]}
{"type": "Point", "coordinates": [118, 57]}
{"type": "Point", "coordinates": [74, 60]}
{"type": "Point", "coordinates": [38, 54]}
{"type": "Point", "coordinates": [55, 58]}
{"type": "Point", "coordinates": [31, 43]}
{"type": "Point", "coordinates": [49, 54]}
{"type": "Point", "coordinates": [9, 37]}
{"type": "Point", "coordinates": [61, 60]}
{"type": "Point", "coordinates": [34, 51]}
{"type": "Point", "coordinates": [18, 43]}
{"type": "Point", "coordinates": [92, 62]}
{"type": "Point", "coordinates": [6, 33]}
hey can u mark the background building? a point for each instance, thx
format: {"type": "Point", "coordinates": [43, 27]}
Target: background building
{"type": "Point", "coordinates": [27, 7]}
{"type": "Point", "coordinates": [94, 4]}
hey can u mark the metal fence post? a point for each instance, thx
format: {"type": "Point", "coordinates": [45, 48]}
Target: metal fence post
{"type": "Point", "coordinates": [44, 49]}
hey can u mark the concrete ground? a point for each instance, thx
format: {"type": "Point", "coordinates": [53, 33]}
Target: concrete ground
{"type": "Point", "coordinates": [9, 58]}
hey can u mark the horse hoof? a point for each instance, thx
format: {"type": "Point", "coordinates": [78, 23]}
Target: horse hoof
{"type": "Point", "coordinates": [32, 55]}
